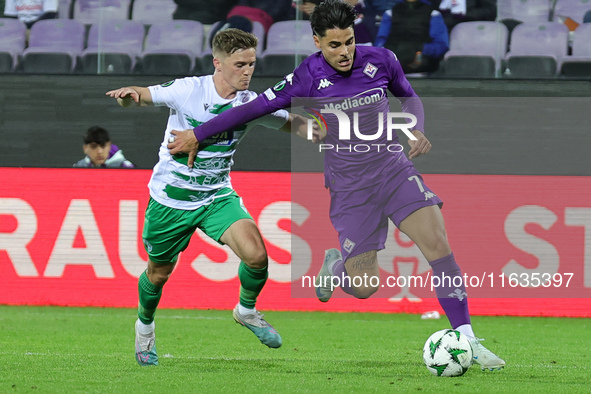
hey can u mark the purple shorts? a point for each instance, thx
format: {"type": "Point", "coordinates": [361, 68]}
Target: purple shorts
{"type": "Point", "coordinates": [361, 216]}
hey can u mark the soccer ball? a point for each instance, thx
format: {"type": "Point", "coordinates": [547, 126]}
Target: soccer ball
{"type": "Point", "coordinates": [447, 353]}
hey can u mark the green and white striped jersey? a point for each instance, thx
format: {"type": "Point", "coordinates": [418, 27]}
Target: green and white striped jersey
{"type": "Point", "coordinates": [193, 101]}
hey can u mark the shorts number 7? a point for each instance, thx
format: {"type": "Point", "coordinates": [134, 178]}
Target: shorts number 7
{"type": "Point", "coordinates": [418, 181]}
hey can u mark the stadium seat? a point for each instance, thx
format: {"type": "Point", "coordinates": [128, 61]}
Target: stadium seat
{"type": "Point", "coordinates": [64, 9]}
{"type": "Point", "coordinates": [476, 49]}
{"type": "Point", "coordinates": [259, 31]}
{"type": "Point", "coordinates": [113, 47]}
{"type": "Point", "coordinates": [532, 11]}
{"type": "Point", "coordinates": [205, 65]}
{"type": "Point", "coordinates": [288, 43]}
{"type": "Point", "coordinates": [54, 46]}
{"type": "Point", "coordinates": [12, 43]}
{"type": "Point", "coordinates": [93, 11]}
{"type": "Point", "coordinates": [579, 64]}
{"type": "Point", "coordinates": [152, 11]}
{"type": "Point", "coordinates": [172, 47]}
{"type": "Point", "coordinates": [537, 50]}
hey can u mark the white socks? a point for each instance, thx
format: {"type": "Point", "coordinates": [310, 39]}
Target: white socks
{"type": "Point", "coordinates": [246, 311]}
{"type": "Point", "coordinates": [145, 329]}
{"type": "Point", "coordinates": [466, 329]}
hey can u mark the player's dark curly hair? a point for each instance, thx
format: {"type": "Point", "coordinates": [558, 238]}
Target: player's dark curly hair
{"type": "Point", "coordinates": [332, 14]}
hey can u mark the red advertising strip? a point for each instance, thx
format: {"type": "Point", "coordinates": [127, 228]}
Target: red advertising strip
{"type": "Point", "coordinates": [72, 237]}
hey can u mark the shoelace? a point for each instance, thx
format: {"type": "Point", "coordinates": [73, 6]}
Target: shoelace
{"type": "Point", "coordinates": [256, 319]}
{"type": "Point", "coordinates": [259, 319]}
{"type": "Point", "coordinates": [146, 342]}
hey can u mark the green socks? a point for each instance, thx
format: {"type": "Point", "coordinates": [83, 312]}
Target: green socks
{"type": "Point", "coordinates": [252, 282]}
{"type": "Point", "coordinates": [149, 296]}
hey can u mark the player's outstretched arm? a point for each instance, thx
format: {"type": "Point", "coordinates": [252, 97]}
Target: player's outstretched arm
{"type": "Point", "coordinates": [299, 125]}
{"type": "Point", "coordinates": [420, 146]}
{"type": "Point", "coordinates": [130, 95]}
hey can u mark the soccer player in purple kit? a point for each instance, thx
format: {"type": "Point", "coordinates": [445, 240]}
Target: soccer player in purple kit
{"type": "Point", "coordinates": [366, 188]}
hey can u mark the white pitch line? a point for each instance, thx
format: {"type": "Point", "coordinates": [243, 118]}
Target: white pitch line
{"type": "Point", "coordinates": [132, 315]}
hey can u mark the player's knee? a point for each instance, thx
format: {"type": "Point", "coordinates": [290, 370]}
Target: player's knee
{"type": "Point", "coordinates": [158, 278]}
{"type": "Point", "coordinates": [442, 247]}
{"type": "Point", "coordinates": [438, 245]}
{"type": "Point", "coordinates": [257, 259]}
{"type": "Point", "coordinates": [158, 274]}
{"type": "Point", "coordinates": [364, 292]}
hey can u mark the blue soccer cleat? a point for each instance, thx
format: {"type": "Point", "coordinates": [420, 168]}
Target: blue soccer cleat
{"type": "Point", "coordinates": [323, 282]}
{"type": "Point", "coordinates": [259, 326]}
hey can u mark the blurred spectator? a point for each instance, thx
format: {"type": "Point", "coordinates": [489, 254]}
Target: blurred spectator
{"type": "Point", "coordinates": [207, 12]}
{"type": "Point", "coordinates": [456, 11]}
{"type": "Point", "coordinates": [100, 152]}
{"type": "Point", "coordinates": [587, 17]}
{"type": "Point", "coordinates": [242, 15]}
{"type": "Point", "coordinates": [416, 33]}
{"type": "Point", "coordinates": [380, 6]}
{"type": "Point", "coordinates": [372, 14]}
{"type": "Point", "coordinates": [204, 11]}
{"type": "Point", "coordinates": [363, 35]}
{"type": "Point", "coordinates": [30, 11]}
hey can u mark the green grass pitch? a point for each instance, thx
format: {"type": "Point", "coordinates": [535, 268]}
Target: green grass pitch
{"type": "Point", "coordinates": [91, 350]}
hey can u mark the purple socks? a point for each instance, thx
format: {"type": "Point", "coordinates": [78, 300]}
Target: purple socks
{"type": "Point", "coordinates": [448, 283]}
{"type": "Point", "coordinates": [338, 269]}
{"type": "Point", "coordinates": [450, 290]}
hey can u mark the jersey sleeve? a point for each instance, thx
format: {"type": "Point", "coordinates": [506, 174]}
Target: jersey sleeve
{"type": "Point", "coordinates": [398, 85]}
{"type": "Point", "coordinates": [271, 100]}
{"type": "Point", "coordinates": [291, 86]}
{"type": "Point", "coordinates": [274, 120]}
{"type": "Point", "coordinates": [401, 89]}
{"type": "Point", "coordinates": [172, 94]}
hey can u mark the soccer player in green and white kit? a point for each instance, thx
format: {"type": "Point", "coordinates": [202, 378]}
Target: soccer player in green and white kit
{"type": "Point", "coordinates": [183, 199]}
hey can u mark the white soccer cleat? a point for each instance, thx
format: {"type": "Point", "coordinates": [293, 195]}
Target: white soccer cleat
{"type": "Point", "coordinates": [484, 357]}
{"type": "Point", "coordinates": [323, 282]}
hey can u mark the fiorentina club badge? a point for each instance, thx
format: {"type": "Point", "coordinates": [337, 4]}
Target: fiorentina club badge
{"type": "Point", "coordinates": [348, 245]}
{"type": "Point", "coordinates": [370, 70]}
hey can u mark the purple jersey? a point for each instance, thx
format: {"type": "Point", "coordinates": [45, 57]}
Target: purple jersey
{"type": "Point", "coordinates": [362, 90]}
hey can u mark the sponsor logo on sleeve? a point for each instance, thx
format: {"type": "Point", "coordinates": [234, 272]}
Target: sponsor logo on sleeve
{"type": "Point", "coordinates": [270, 95]}
{"type": "Point", "coordinates": [279, 85]}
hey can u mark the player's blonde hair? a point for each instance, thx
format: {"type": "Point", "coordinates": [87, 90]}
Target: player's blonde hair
{"type": "Point", "coordinates": [228, 41]}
